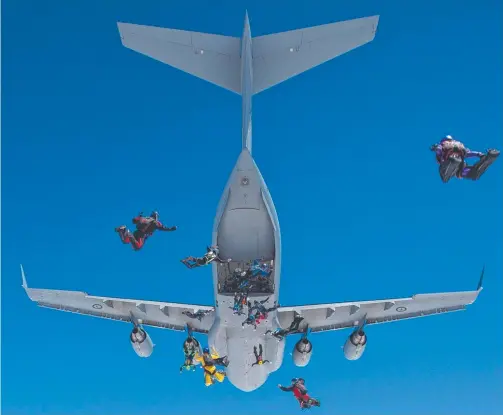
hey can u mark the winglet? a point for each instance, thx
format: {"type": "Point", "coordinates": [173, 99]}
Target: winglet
{"type": "Point", "coordinates": [25, 285]}
{"type": "Point", "coordinates": [481, 280]}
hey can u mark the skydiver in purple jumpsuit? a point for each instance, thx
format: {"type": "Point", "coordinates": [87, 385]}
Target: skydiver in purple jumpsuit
{"type": "Point", "coordinates": [459, 149]}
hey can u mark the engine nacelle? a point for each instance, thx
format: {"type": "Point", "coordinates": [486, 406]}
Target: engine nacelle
{"type": "Point", "coordinates": [141, 342]}
{"type": "Point", "coordinates": [355, 345]}
{"type": "Point", "coordinates": [302, 352]}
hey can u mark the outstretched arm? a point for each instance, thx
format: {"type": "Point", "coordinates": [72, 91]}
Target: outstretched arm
{"type": "Point", "coordinates": [159, 226]}
{"type": "Point", "coordinates": [286, 388]}
{"type": "Point", "coordinates": [218, 258]}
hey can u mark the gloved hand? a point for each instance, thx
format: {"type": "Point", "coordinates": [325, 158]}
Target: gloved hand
{"type": "Point", "coordinates": [173, 228]}
{"type": "Point", "coordinates": [433, 147]}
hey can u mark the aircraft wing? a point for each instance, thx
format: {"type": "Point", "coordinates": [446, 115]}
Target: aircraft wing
{"type": "Point", "coordinates": [149, 313]}
{"type": "Point", "coordinates": [337, 316]}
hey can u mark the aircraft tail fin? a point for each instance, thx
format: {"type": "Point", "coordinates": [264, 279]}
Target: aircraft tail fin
{"type": "Point", "coordinates": [214, 58]}
{"type": "Point", "coordinates": [280, 56]}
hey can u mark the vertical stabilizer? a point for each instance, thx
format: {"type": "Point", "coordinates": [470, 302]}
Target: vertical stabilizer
{"type": "Point", "coordinates": [246, 85]}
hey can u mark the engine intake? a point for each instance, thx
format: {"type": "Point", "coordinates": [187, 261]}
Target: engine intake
{"type": "Point", "coordinates": [302, 352]}
{"type": "Point", "coordinates": [355, 345]}
{"type": "Point", "coordinates": [141, 342]}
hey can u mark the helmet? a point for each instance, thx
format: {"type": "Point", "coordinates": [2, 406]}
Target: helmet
{"type": "Point", "coordinates": [206, 350]}
{"type": "Point", "coordinates": [260, 362]}
{"type": "Point", "coordinates": [154, 215]}
{"type": "Point", "coordinates": [448, 137]}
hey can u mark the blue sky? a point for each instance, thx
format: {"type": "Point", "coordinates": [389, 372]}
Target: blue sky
{"type": "Point", "coordinates": [92, 133]}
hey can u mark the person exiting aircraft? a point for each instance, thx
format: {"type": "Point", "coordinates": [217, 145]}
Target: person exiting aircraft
{"type": "Point", "coordinates": [145, 227]}
{"type": "Point", "coordinates": [451, 154]}
{"type": "Point", "coordinates": [251, 320]}
{"type": "Point", "coordinates": [259, 269]}
{"type": "Point", "coordinates": [299, 390]}
{"type": "Point", "coordinates": [280, 333]}
{"type": "Point", "coordinates": [212, 254]}
{"type": "Point", "coordinates": [258, 356]}
{"type": "Point", "coordinates": [259, 306]}
{"type": "Point", "coordinates": [199, 314]}
{"type": "Point", "coordinates": [240, 300]}
{"type": "Point", "coordinates": [209, 361]}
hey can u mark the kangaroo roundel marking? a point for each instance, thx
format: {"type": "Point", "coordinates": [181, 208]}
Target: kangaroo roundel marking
{"type": "Point", "coordinates": [401, 309]}
{"type": "Point", "coordinates": [245, 181]}
{"type": "Point", "coordinates": [97, 306]}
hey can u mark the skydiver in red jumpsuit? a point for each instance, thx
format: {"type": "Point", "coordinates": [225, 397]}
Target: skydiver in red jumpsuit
{"type": "Point", "coordinates": [145, 227]}
{"type": "Point", "coordinates": [300, 392]}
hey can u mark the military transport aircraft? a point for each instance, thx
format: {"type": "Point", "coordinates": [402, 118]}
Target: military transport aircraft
{"type": "Point", "coordinates": [246, 226]}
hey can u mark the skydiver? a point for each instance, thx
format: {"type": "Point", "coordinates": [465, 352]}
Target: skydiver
{"type": "Point", "coordinates": [280, 333]}
{"type": "Point", "coordinates": [259, 306]}
{"type": "Point", "coordinates": [239, 302]}
{"type": "Point", "coordinates": [258, 356]}
{"type": "Point", "coordinates": [449, 149]}
{"type": "Point", "coordinates": [191, 347]}
{"type": "Point", "coordinates": [300, 392]}
{"type": "Point", "coordinates": [251, 320]}
{"type": "Point", "coordinates": [199, 314]}
{"type": "Point", "coordinates": [212, 254]}
{"type": "Point", "coordinates": [145, 227]}
{"type": "Point", "coordinates": [209, 361]}
{"type": "Point", "coordinates": [259, 269]}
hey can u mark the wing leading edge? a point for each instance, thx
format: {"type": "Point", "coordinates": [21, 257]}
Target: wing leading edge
{"type": "Point", "coordinates": [337, 316]}
{"type": "Point", "coordinates": [149, 313]}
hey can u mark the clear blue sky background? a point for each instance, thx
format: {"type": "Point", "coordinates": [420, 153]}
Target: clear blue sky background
{"type": "Point", "coordinates": [92, 133]}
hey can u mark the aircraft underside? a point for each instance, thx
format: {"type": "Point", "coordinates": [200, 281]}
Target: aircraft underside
{"type": "Point", "coordinates": [246, 227]}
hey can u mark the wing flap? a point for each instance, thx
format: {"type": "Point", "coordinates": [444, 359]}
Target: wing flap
{"type": "Point", "coordinates": [151, 313]}
{"type": "Point", "coordinates": [280, 56]}
{"type": "Point", "coordinates": [214, 58]}
{"type": "Point", "coordinates": [337, 316]}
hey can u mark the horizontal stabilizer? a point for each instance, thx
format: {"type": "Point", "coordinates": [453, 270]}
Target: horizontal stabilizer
{"type": "Point", "coordinates": [280, 56]}
{"type": "Point", "coordinates": [214, 58]}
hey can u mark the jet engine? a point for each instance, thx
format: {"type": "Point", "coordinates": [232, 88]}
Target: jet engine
{"type": "Point", "coordinates": [141, 342]}
{"type": "Point", "coordinates": [355, 345]}
{"type": "Point", "coordinates": [302, 352]}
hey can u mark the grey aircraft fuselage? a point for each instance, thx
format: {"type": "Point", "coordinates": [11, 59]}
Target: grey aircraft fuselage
{"type": "Point", "coordinates": [246, 228]}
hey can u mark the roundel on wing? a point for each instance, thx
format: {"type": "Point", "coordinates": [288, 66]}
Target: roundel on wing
{"type": "Point", "coordinates": [401, 309]}
{"type": "Point", "coordinates": [97, 306]}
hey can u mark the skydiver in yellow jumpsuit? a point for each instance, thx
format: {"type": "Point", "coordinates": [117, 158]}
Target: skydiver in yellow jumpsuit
{"type": "Point", "coordinates": [209, 361]}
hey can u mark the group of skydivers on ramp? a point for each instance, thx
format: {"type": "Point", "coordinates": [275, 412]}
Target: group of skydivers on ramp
{"type": "Point", "coordinates": [450, 155]}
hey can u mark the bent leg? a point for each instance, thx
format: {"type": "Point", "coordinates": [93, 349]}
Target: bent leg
{"type": "Point", "coordinates": [124, 234]}
{"type": "Point", "coordinates": [207, 379]}
{"type": "Point", "coordinates": [189, 262]}
{"type": "Point", "coordinates": [220, 376]}
{"type": "Point", "coordinates": [138, 240]}
{"type": "Point", "coordinates": [479, 168]}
